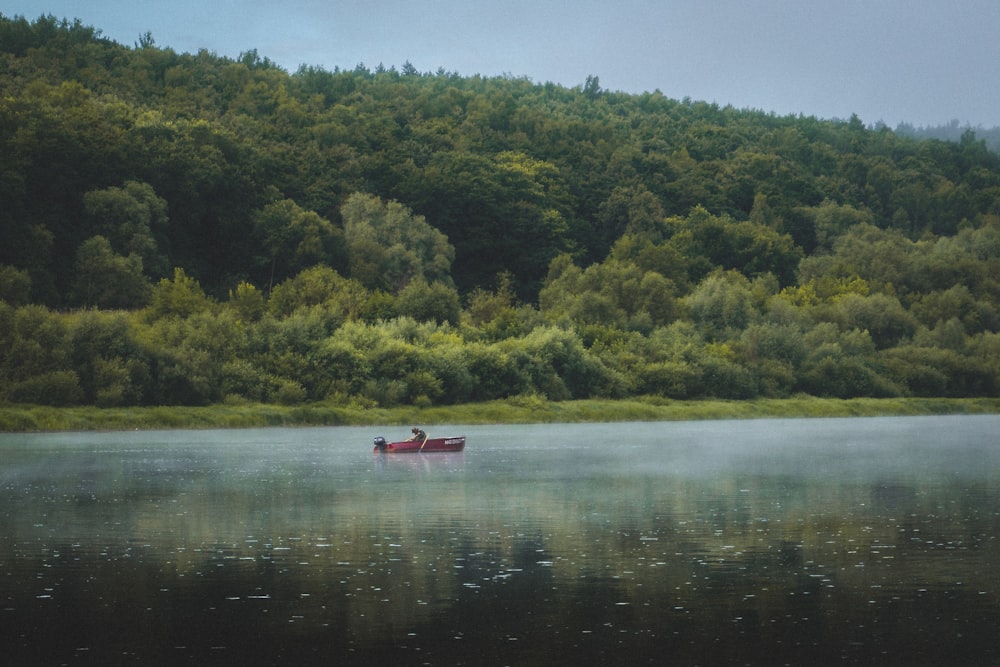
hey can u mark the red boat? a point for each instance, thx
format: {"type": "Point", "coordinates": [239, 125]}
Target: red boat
{"type": "Point", "coordinates": [456, 444]}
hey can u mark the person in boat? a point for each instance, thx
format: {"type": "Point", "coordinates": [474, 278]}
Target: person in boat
{"type": "Point", "coordinates": [418, 434]}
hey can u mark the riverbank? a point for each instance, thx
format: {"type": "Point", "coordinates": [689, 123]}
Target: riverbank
{"type": "Point", "coordinates": [518, 410]}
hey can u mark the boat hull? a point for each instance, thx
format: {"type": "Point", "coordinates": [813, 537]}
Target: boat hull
{"type": "Point", "coordinates": [455, 444]}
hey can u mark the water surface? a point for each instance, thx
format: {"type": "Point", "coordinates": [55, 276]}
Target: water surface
{"type": "Point", "coordinates": [852, 541]}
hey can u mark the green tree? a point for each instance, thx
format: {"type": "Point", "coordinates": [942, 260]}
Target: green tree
{"type": "Point", "coordinates": [111, 366]}
{"type": "Point", "coordinates": [15, 286]}
{"type": "Point", "coordinates": [485, 306]}
{"type": "Point", "coordinates": [435, 302]}
{"type": "Point", "coordinates": [132, 218]}
{"type": "Point", "coordinates": [882, 258]}
{"type": "Point", "coordinates": [752, 249]}
{"type": "Point", "coordinates": [612, 293]}
{"type": "Point", "coordinates": [293, 239]}
{"type": "Point", "coordinates": [106, 280]}
{"type": "Point", "coordinates": [722, 305]}
{"type": "Point", "coordinates": [774, 353]}
{"type": "Point", "coordinates": [630, 209]}
{"type": "Point", "coordinates": [180, 297]}
{"type": "Point", "coordinates": [36, 343]}
{"type": "Point", "coordinates": [831, 221]}
{"type": "Point", "coordinates": [956, 302]}
{"type": "Point", "coordinates": [35, 364]}
{"type": "Point", "coordinates": [248, 301]}
{"type": "Point", "coordinates": [320, 286]}
{"type": "Point", "coordinates": [505, 213]}
{"type": "Point", "coordinates": [388, 246]}
{"type": "Point", "coordinates": [842, 364]}
{"type": "Point", "coordinates": [881, 315]}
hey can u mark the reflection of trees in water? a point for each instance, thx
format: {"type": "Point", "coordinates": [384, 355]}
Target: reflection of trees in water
{"type": "Point", "coordinates": [656, 564]}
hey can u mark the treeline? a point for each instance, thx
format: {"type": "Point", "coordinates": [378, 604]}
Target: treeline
{"type": "Point", "coordinates": [190, 229]}
{"type": "Point", "coordinates": [879, 315]}
{"type": "Point", "coordinates": [953, 131]}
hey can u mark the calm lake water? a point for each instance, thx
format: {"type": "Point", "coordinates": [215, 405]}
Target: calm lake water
{"type": "Point", "coordinates": [822, 541]}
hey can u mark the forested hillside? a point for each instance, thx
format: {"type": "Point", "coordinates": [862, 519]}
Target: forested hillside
{"type": "Point", "coordinates": [188, 229]}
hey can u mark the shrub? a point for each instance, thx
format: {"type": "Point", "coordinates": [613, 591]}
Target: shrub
{"type": "Point", "coordinates": [672, 379]}
{"type": "Point", "coordinates": [847, 377]}
{"type": "Point", "coordinates": [56, 389]}
{"type": "Point", "coordinates": [434, 302]}
{"type": "Point", "coordinates": [289, 392]}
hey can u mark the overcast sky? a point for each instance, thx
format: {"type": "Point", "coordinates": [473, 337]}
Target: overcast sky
{"type": "Point", "coordinates": [925, 62]}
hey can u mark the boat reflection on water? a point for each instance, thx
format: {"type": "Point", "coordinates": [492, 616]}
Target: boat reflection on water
{"type": "Point", "coordinates": [448, 461]}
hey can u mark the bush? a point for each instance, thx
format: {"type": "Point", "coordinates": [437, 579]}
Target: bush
{"type": "Point", "coordinates": [881, 315]}
{"type": "Point", "coordinates": [724, 378]}
{"type": "Point", "coordinates": [435, 302]}
{"type": "Point", "coordinates": [495, 373]}
{"type": "Point", "coordinates": [182, 297]}
{"type": "Point", "coordinates": [773, 341]}
{"type": "Point", "coordinates": [671, 379]}
{"type": "Point", "coordinates": [289, 392]}
{"type": "Point", "coordinates": [773, 379]}
{"type": "Point", "coordinates": [448, 365]}
{"type": "Point", "coordinates": [931, 371]}
{"type": "Point", "coordinates": [242, 378]}
{"type": "Point", "coordinates": [847, 377]}
{"type": "Point", "coordinates": [386, 393]}
{"type": "Point", "coordinates": [558, 364]}
{"type": "Point", "coordinates": [722, 304]}
{"type": "Point", "coordinates": [56, 389]}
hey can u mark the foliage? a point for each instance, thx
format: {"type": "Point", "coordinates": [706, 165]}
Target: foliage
{"type": "Point", "coordinates": [232, 233]}
{"type": "Point", "coordinates": [107, 280]}
{"type": "Point", "coordinates": [292, 239]}
{"type": "Point", "coordinates": [390, 247]}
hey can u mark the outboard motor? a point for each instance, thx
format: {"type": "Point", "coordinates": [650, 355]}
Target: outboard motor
{"type": "Point", "coordinates": [379, 443]}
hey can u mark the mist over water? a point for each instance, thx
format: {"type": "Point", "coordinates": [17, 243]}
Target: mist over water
{"type": "Point", "coordinates": [717, 542]}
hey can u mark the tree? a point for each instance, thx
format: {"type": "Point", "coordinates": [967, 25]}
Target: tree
{"type": "Point", "coordinates": [435, 302]}
{"type": "Point", "coordinates": [15, 286]}
{"type": "Point", "coordinates": [558, 364]}
{"type": "Point", "coordinates": [830, 221]}
{"type": "Point", "coordinates": [320, 286]}
{"type": "Point", "coordinates": [509, 212]}
{"type": "Point", "coordinates": [106, 280]}
{"type": "Point", "coordinates": [722, 304]}
{"type": "Point", "coordinates": [35, 342]}
{"type": "Point", "coordinates": [293, 239]}
{"type": "Point", "coordinates": [180, 297]}
{"type": "Point", "coordinates": [248, 301]}
{"type": "Point", "coordinates": [881, 315]}
{"type": "Point", "coordinates": [484, 306]}
{"type": "Point", "coordinates": [389, 246]}
{"type": "Point", "coordinates": [842, 364]}
{"type": "Point", "coordinates": [883, 258]}
{"type": "Point", "coordinates": [750, 248]}
{"type": "Point", "coordinates": [613, 293]}
{"type": "Point", "coordinates": [111, 367]}
{"type": "Point", "coordinates": [132, 218]}
{"type": "Point", "coordinates": [630, 209]}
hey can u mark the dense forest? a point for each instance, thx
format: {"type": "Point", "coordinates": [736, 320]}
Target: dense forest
{"type": "Point", "coordinates": [190, 229]}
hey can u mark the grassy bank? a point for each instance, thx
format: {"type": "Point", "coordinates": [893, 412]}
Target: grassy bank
{"type": "Point", "coordinates": [520, 410]}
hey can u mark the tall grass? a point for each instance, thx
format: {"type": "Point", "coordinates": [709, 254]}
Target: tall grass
{"type": "Point", "coordinates": [517, 410]}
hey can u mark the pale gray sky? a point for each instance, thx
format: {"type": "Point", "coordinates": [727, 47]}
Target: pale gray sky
{"type": "Point", "coordinates": [925, 62]}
